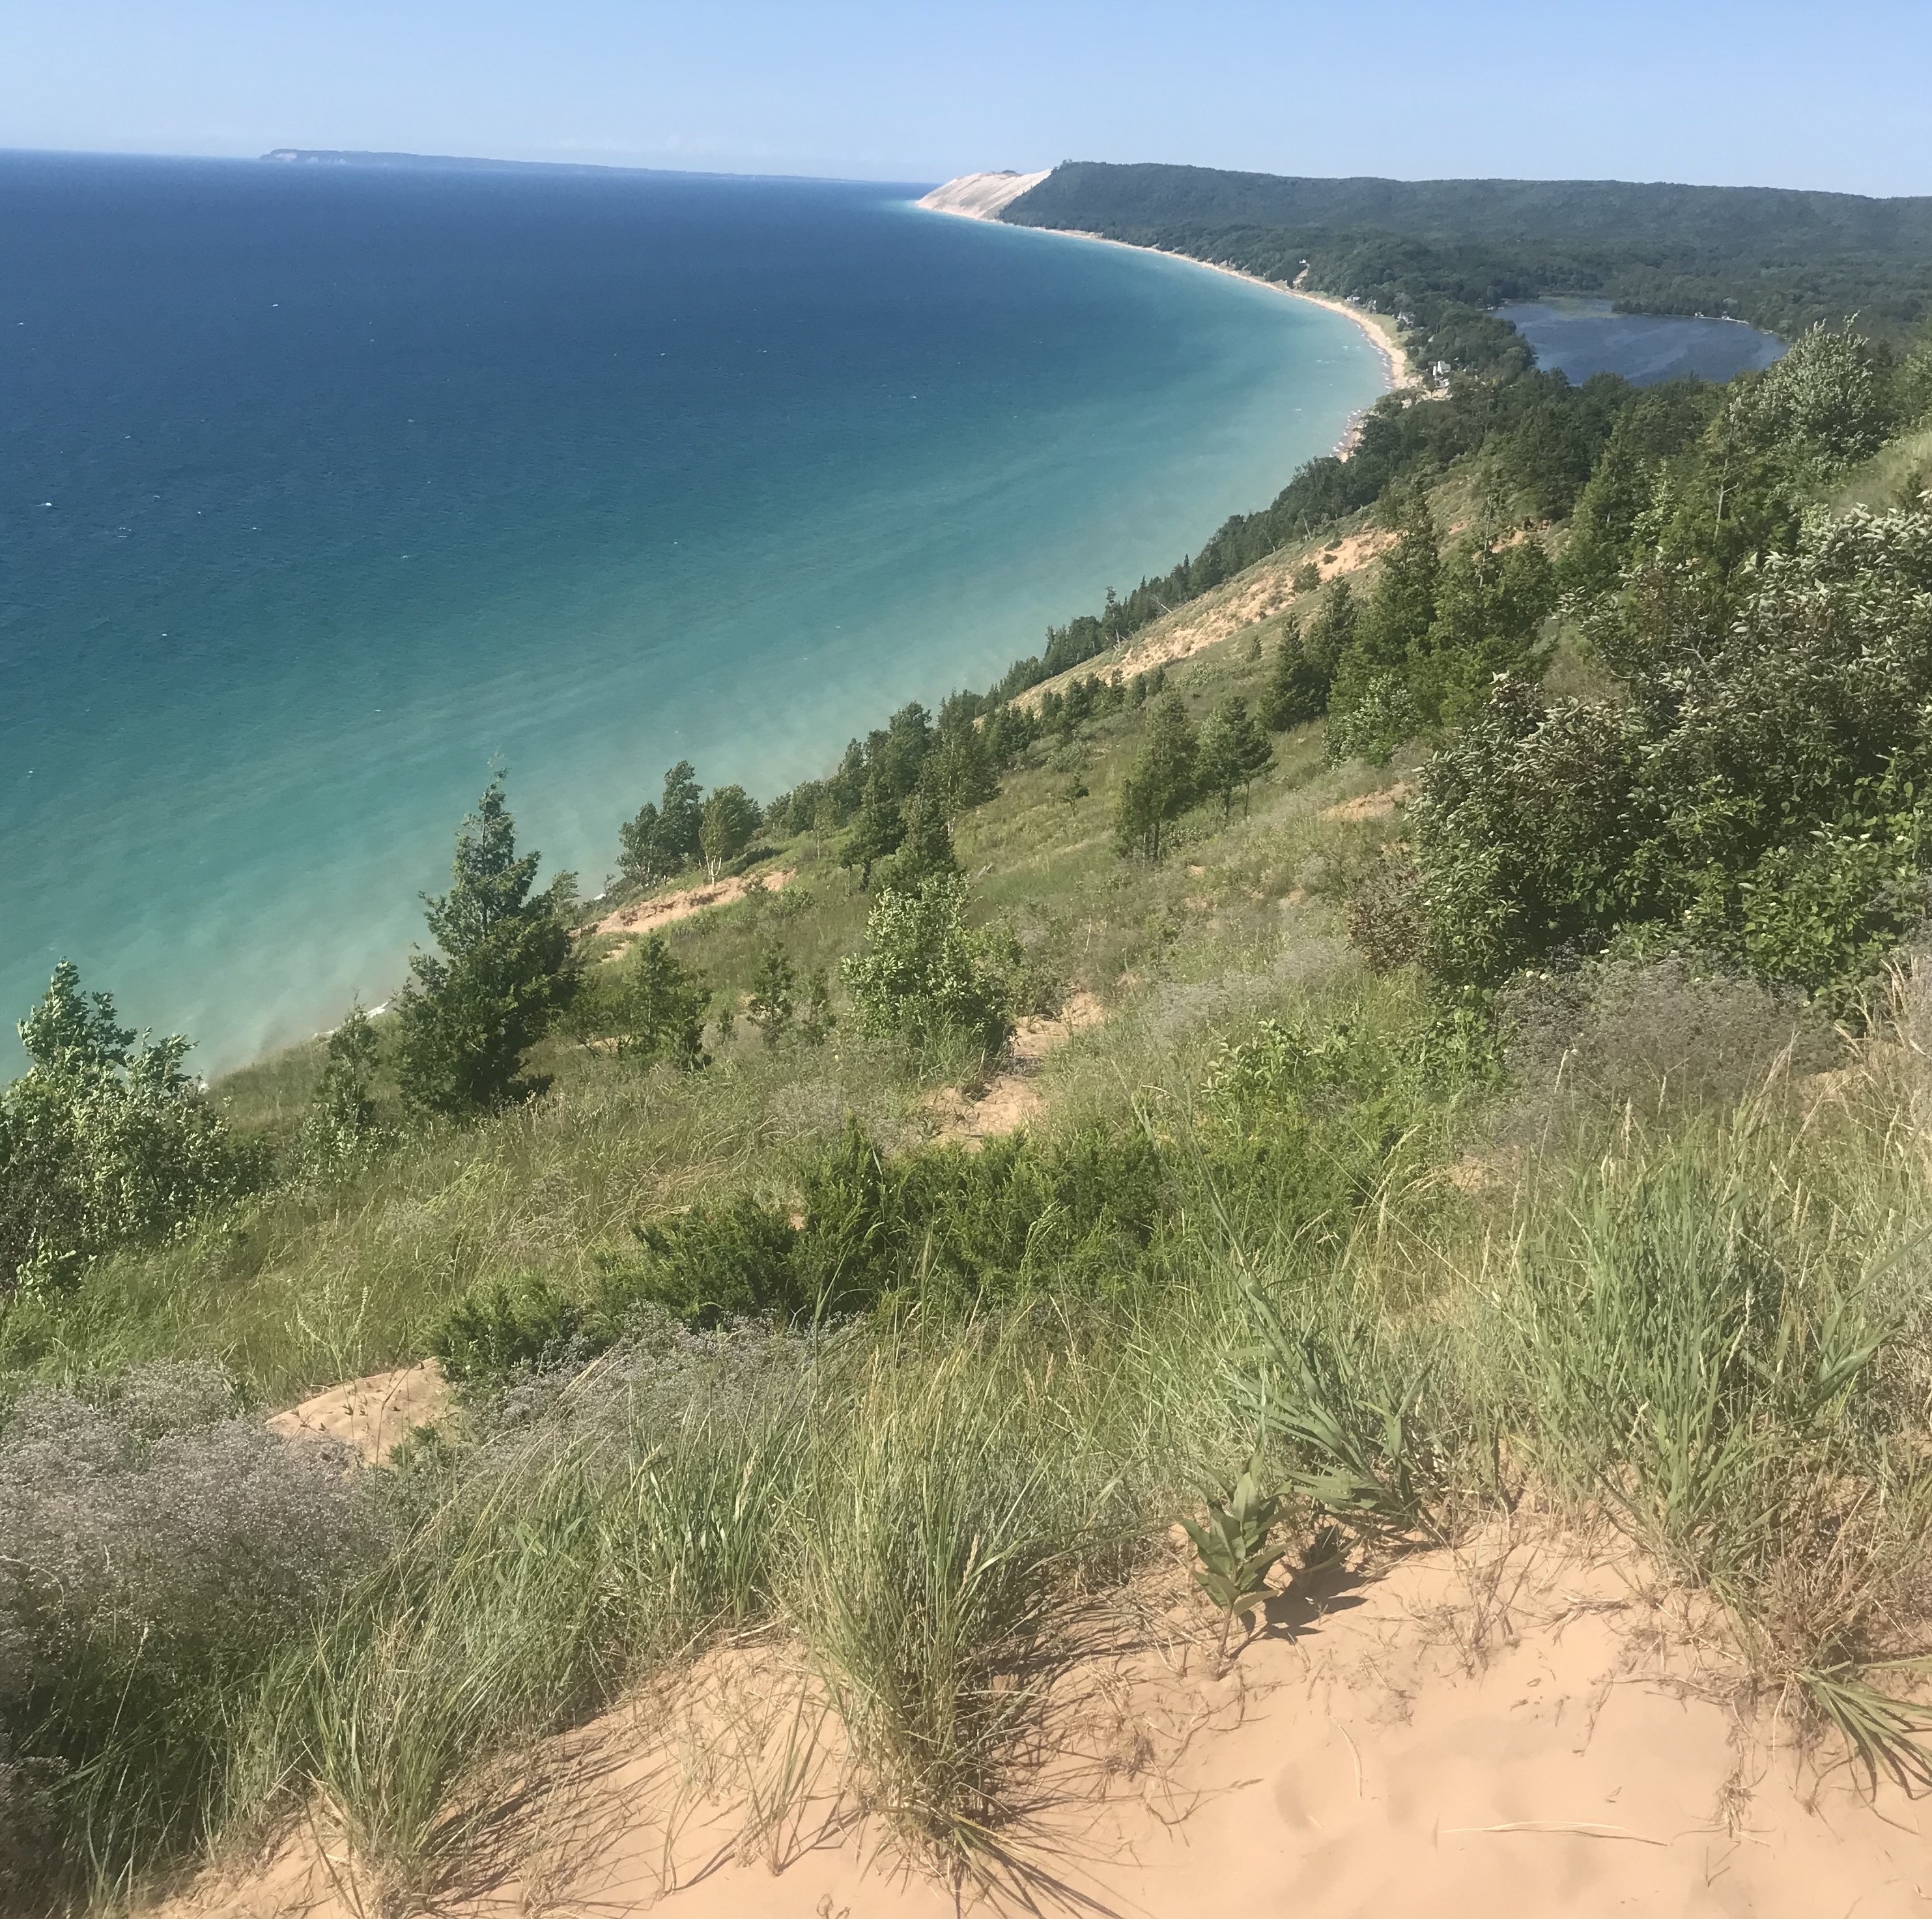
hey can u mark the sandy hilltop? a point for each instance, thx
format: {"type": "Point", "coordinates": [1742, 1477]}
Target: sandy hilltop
{"type": "Point", "coordinates": [986, 196]}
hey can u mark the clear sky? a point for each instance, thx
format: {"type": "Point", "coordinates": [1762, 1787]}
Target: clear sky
{"type": "Point", "coordinates": [1830, 93]}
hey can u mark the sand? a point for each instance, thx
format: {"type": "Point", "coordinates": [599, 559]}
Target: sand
{"type": "Point", "coordinates": [373, 1415]}
{"type": "Point", "coordinates": [648, 915]}
{"type": "Point", "coordinates": [1011, 1099]}
{"type": "Point", "coordinates": [1263, 590]}
{"type": "Point", "coordinates": [980, 196]}
{"type": "Point", "coordinates": [1512, 1729]}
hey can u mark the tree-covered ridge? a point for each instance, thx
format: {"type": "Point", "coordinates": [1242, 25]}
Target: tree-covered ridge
{"type": "Point", "coordinates": [1779, 258]}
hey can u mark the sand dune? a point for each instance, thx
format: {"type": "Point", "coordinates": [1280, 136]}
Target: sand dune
{"type": "Point", "coordinates": [980, 196]}
{"type": "Point", "coordinates": [1510, 1729]}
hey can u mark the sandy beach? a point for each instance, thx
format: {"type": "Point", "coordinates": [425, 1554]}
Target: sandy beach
{"type": "Point", "coordinates": [986, 196]}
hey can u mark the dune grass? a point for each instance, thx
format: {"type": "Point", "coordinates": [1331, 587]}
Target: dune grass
{"type": "Point", "coordinates": [1661, 1269]}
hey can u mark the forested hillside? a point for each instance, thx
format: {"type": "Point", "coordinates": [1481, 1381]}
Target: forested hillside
{"type": "Point", "coordinates": [1777, 258]}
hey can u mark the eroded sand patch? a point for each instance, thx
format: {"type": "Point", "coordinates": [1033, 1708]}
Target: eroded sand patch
{"type": "Point", "coordinates": [1504, 1730]}
{"type": "Point", "coordinates": [645, 916]}
{"type": "Point", "coordinates": [1378, 805]}
{"type": "Point", "coordinates": [1012, 1099]}
{"type": "Point", "coordinates": [373, 1415]}
{"type": "Point", "coordinates": [1266, 589]}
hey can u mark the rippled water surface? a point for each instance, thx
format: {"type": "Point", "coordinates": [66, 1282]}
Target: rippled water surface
{"type": "Point", "coordinates": [321, 489]}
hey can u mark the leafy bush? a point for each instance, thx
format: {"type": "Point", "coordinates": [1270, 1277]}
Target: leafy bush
{"type": "Point", "coordinates": [1760, 792]}
{"type": "Point", "coordinates": [927, 975]}
{"type": "Point", "coordinates": [1073, 1216]}
{"type": "Point", "coordinates": [104, 1142]}
{"type": "Point", "coordinates": [341, 1132]}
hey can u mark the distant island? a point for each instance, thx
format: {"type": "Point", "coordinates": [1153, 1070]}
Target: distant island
{"type": "Point", "coordinates": [433, 163]}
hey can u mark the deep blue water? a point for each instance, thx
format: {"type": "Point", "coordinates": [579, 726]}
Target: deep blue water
{"type": "Point", "coordinates": [1585, 336]}
{"type": "Point", "coordinates": [322, 488]}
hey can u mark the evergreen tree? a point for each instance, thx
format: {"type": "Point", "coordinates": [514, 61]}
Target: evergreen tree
{"type": "Point", "coordinates": [924, 848]}
{"type": "Point", "coordinates": [1233, 750]}
{"type": "Point", "coordinates": [729, 821]}
{"type": "Point", "coordinates": [1164, 778]}
{"type": "Point", "coordinates": [507, 967]}
{"type": "Point", "coordinates": [815, 1018]}
{"type": "Point", "coordinates": [876, 833]}
{"type": "Point", "coordinates": [662, 1007]}
{"type": "Point", "coordinates": [1297, 684]}
{"type": "Point", "coordinates": [1402, 606]}
{"type": "Point", "coordinates": [774, 995]}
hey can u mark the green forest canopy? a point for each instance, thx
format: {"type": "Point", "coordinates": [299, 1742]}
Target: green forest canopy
{"type": "Point", "coordinates": [1778, 257]}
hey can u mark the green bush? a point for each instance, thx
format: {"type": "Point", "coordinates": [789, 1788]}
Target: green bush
{"type": "Point", "coordinates": [926, 975]}
{"type": "Point", "coordinates": [1758, 790]}
{"type": "Point", "coordinates": [103, 1143]}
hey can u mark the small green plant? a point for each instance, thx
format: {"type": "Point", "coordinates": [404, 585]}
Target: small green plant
{"type": "Point", "coordinates": [774, 995]}
{"type": "Point", "coordinates": [662, 1008]}
{"type": "Point", "coordinates": [1236, 1558]}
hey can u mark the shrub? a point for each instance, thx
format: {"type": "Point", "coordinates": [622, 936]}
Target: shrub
{"type": "Point", "coordinates": [104, 1142]}
{"type": "Point", "coordinates": [162, 1548]}
{"type": "Point", "coordinates": [1758, 792]}
{"type": "Point", "coordinates": [927, 975]}
{"type": "Point", "coordinates": [341, 1132]}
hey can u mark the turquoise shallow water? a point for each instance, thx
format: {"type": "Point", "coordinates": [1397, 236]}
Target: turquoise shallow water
{"type": "Point", "coordinates": [321, 489]}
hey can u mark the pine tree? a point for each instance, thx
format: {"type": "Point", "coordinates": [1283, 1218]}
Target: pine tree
{"type": "Point", "coordinates": [662, 1007]}
{"type": "Point", "coordinates": [877, 832]}
{"type": "Point", "coordinates": [924, 848]}
{"type": "Point", "coordinates": [1164, 779]}
{"type": "Point", "coordinates": [507, 968]}
{"type": "Point", "coordinates": [1297, 684]}
{"type": "Point", "coordinates": [1234, 751]}
{"type": "Point", "coordinates": [773, 994]}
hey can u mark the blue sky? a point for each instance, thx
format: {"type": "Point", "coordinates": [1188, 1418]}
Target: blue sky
{"type": "Point", "coordinates": [1774, 94]}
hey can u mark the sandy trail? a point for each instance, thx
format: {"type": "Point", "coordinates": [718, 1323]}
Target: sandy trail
{"type": "Point", "coordinates": [1011, 1099]}
{"type": "Point", "coordinates": [1496, 1733]}
{"type": "Point", "coordinates": [645, 916]}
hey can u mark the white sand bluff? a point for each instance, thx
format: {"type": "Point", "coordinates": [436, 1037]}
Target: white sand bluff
{"type": "Point", "coordinates": [981, 195]}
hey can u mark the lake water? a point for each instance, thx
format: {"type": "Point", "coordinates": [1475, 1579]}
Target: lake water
{"type": "Point", "coordinates": [324, 488]}
{"type": "Point", "coordinates": [1585, 336]}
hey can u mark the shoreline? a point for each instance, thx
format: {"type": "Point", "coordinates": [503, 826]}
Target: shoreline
{"type": "Point", "coordinates": [1397, 373]}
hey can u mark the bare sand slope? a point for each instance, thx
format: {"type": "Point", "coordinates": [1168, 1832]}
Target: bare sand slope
{"type": "Point", "coordinates": [1265, 588]}
{"type": "Point", "coordinates": [980, 196]}
{"type": "Point", "coordinates": [1496, 1733]}
{"type": "Point", "coordinates": [647, 915]}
